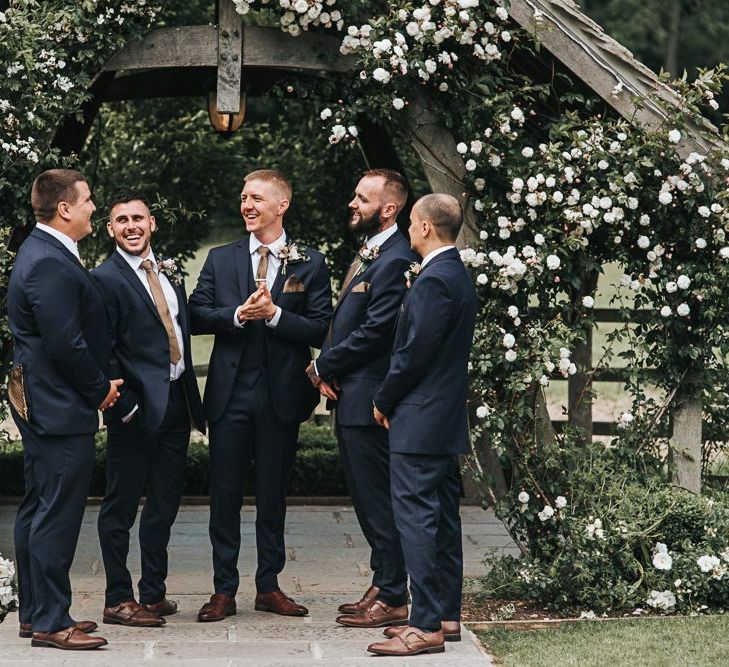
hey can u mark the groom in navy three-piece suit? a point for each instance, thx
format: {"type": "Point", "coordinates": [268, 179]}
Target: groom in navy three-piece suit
{"type": "Point", "coordinates": [148, 430]}
{"type": "Point", "coordinates": [59, 381]}
{"type": "Point", "coordinates": [353, 362]}
{"type": "Point", "coordinates": [423, 403]}
{"type": "Point", "coordinates": [268, 302]}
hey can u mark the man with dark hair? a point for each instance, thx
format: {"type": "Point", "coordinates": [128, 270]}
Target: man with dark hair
{"type": "Point", "coordinates": [268, 301]}
{"type": "Point", "coordinates": [422, 402]}
{"type": "Point", "coordinates": [352, 364]}
{"type": "Point", "coordinates": [58, 383]}
{"type": "Point", "coordinates": [148, 431]}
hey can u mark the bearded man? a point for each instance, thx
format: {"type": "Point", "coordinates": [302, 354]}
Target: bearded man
{"type": "Point", "coordinates": [354, 360]}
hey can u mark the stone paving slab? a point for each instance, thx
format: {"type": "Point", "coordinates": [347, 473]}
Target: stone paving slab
{"type": "Point", "coordinates": [328, 564]}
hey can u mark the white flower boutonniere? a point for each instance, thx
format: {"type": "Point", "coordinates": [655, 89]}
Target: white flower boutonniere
{"type": "Point", "coordinates": [169, 267]}
{"type": "Point", "coordinates": [412, 273]}
{"type": "Point", "coordinates": [367, 256]}
{"type": "Point", "coordinates": [290, 254]}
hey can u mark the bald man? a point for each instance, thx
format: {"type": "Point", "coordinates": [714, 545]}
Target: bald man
{"type": "Point", "coordinates": [422, 402]}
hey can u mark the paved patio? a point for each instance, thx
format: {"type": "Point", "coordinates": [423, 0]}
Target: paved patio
{"type": "Point", "coordinates": [327, 565]}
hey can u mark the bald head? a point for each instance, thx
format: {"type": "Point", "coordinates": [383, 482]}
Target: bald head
{"type": "Point", "coordinates": [443, 212]}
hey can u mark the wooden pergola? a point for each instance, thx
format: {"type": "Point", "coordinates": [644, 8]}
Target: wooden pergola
{"type": "Point", "coordinates": [230, 58]}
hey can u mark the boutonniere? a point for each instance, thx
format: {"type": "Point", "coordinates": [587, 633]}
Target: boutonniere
{"type": "Point", "coordinates": [367, 256]}
{"type": "Point", "coordinates": [411, 274]}
{"type": "Point", "coordinates": [290, 254]}
{"type": "Point", "coordinates": [169, 267]}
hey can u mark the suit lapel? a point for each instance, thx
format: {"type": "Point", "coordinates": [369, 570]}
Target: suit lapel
{"type": "Point", "coordinates": [181, 309]}
{"type": "Point", "coordinates": [243, 267]}
{"type": "Point", "coordinates": [135, 282]}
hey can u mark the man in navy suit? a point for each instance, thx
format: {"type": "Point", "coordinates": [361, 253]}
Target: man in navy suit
{"type": "Point", "coordinates": [268, 301]}
{"type": "Point", "coordinates": [58, 383]}
{"type": "Point", "coordinates": [353, 362]}
{"type": "Point", "coordinates": [423, 403]}
{"type": "Point", "coordinates": [148, 431]}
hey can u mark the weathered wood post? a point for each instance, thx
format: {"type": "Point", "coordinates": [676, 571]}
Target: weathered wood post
{"type": "Point", "coordinates": [686, 440]}
{"type": "Point", "coordinates": [230, 57]}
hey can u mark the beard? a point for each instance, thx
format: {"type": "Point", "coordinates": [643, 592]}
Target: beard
{"type": "Point", "coordinates": [368, 225]}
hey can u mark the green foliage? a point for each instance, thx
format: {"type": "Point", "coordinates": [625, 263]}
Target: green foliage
{"type": "Point", "coordinates": [317, 470]}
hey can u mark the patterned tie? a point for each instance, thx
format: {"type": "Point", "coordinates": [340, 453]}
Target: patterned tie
{"type": "Point", "coordinates": [353, 270]}
{"type": "Point", "coordinates": [158, 296]}
{"type": "Point", "coordinates": [262, 271]}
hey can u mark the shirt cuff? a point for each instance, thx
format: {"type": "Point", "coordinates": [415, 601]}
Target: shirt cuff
{"type": "Point", "coordinates": [273, 322]}
{"type": "Point", "coordinates": [316, 370]}
{"type": "Point", "coordinates": [127, 418]}
{"type": "Point", "coordinates": [236, 322]}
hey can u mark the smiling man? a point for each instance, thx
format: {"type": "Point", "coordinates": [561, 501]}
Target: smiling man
{"type": "Point", "coordinates": [268, 302]}
{"type": "Point", "coordinates": [148, 431]}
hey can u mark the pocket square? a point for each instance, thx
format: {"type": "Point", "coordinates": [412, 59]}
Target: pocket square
{"type": "Point", "coordinates": [361, 287]}
{"type": "Point", "coordinates": [293, 285]}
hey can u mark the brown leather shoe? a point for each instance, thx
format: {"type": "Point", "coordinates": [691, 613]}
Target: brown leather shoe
{"type": "Point", "coordinates": [365, 601]}
{"type": "Point", "coordinates": [410, 641]}
{"type": "Point", "coordinates": [133, 614]}
{"type": "Point", "coordinates": [26, 629]}
{"type": "Point", "coordinates": [279, 603]}
{"type": "Point", "coordinates": [451, 631]}
{"type": "Point", "coordinates": [377, 615]}
{"type": "Point", "coordinates": [164, 607]}
{"type": "Point", "coordinates": [217, 608]}
{"type": "Point", "coordinates": [68, 639]}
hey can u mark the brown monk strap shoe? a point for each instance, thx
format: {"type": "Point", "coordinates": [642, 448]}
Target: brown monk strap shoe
{"type": "Point", "coordinates": [217, 608]}
{"type": "Point", "coordinates": [410, 641]}
{"type": "Point", "coordinates": [26, 629]}
{"type": "Point", "coordinates": [365, 601]}
{"type": "Point", "coordinates": [377, 615]}
{"type": "Point", "coordinates": [164, 607]}
{"type": "Point", "coordinates": [451, 631]}
{"type": "Point", "coordinates": [133, 614]}
{"type": "Point", "coordinates": [68, 639]}
{"type": "Point", "coordinates": [279, 603]}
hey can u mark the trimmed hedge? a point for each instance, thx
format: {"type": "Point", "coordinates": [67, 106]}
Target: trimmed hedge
{"type": "Point", "coordinates": [317, 470]}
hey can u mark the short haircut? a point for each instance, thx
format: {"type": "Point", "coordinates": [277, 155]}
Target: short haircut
{"type": "Point", "coordinates": [52, 187]}
{"type": "Point", "coordinates": [395, 186]}
{"type": "Point", "coordinates": [125, 196]}
{"type": "Point", "coordinates": [271, 176]}
{"type": "Point", "coordinates": [443, 212]}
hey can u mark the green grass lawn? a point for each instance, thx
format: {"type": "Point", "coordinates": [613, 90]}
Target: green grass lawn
{"type": "Point", "coordinates": [694, 642]}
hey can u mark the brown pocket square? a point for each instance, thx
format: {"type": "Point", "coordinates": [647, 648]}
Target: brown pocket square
{"type": "Point", "coordinates": [360, 288]}
{"type": "Point", "coordinates": [16, 393]}
{"type": "Point", "coordinates": [293, 285]}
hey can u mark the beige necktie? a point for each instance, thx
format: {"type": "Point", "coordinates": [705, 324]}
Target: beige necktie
{"type": "Point", "coordinates": [158, 296]}
{"type": "Point", "coordinates": [262, 271]}
{"type": "Point", "coordinates": [353, 270]}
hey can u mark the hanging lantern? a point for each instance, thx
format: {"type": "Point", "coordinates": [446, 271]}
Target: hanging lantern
{"type": "Point", "coordinates": [225, 123]}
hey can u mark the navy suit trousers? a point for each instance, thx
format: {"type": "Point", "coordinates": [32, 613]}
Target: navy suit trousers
{"type": "Point", "coordinates": [365, 460]}
{"type": "Point", "coordinates": [249, 430]}
{"type": "Point", "coordinates": [137, 460]}
{"type": "Point", "coordinates": [425, 500]}
{"type": "Point", "coordinates": [57, 478]}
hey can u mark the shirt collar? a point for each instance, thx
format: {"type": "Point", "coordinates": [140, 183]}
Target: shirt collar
{"type": "Point", "coordinates": [274, 246]}
{"type": "Point", "coordinates": [434, 253]}
{"type": "Point", "coordinates": [135, 261]}
{"type": "Point", "coordinates": [67, 241]}
{"type": "Point", "coordinates": [381, 237]}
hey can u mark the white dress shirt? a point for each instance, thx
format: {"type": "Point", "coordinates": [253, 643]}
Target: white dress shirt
{"type": "Point", "coordinates": [67, 241]}
{"type": "Point", "coordinates": [434, 253]}
{"type": "Point", "coordinates": [381, 237]}
{"type": "Point", "coordinates": [135, 262]}
{"type": "Point", "coordinates": [274, 262]}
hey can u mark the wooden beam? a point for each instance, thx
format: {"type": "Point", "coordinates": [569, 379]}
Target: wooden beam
{"type": "Point", "coordinates": [686, 441]}
{"type": "Point", "coordinates": [197, 46]}
{"type": "Point", "coordinates": [230, 57]}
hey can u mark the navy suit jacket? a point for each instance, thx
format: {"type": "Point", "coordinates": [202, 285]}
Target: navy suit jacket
{"type": "Point", "coordinates": [223, 285]}
{"type": "Point", "coordinates": [363, 327]}
{"type": "Point", "coordinates": [425, 392]}
{"type": "Point", "coordinates": [61, 337]}
{"type": "Point", "coordinates": [141, 350]}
